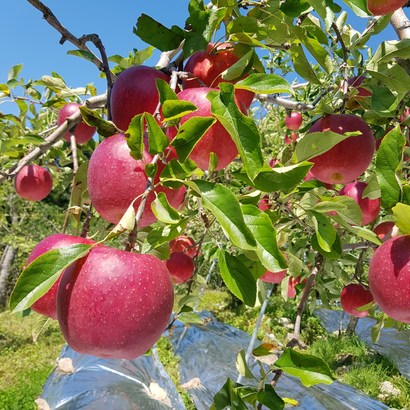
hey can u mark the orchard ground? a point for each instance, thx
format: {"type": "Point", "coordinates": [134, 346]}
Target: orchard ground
{"type": "Point", "coordinates": [25, 365]}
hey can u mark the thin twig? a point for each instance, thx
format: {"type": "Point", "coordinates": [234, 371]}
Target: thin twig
{"type": "Point", "coordinates": [86, 225]}
{"type": "Point", "coordinates": [284, 102]}
{"type": "Point", "coordinates": [55, 136]}
{"type": "Point", "coordinates": [66, 35]}
{"type": "Point", "coordinates": [345, 67]}
{"type": "Point", "coordinates": [309, 283]}
{"type": "Point", "coordinates": [73, 143]}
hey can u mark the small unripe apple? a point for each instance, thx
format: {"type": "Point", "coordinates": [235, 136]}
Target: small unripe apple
{"type": "Point", "coordinates": [389, 277]}
{"type": "Point", "coordinates": [294, 120]}
{"type": "Point", "coordinates": [273, 277]}
{"type": "Point", "coordinates": [354, 296]}
{"type": "Point", "coordinates": [115, 179]}
{"type": "Point", "coordinates": [33, 182]}
{"type": "Point", "coordinates": [183, 244]}
{"type": "Point", "coordinates": [384, 229]}
{"type": "Point", "coordinates": [114, 304]}
{"type": "Point", "coordinates": [47, 304]}
{"type": "Point", "coordinates": [134, 92]}
{"type": "Point", "coordinates": [370, 207]}
{"type": "Point", "coordinates": [207, 67]}
{"type": "Point", "coordinates": [180, 266]}
{"type": "Point", "coordinates": [216, 139]}
{"type": "Point", "coordinates": [348, 159]}
{"type": "Point", "coordinates": [383, 7]}
{"type": "Point", "coordinates": [82, 132]}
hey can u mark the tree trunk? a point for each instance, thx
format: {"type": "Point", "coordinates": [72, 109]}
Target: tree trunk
{"type": "Point", "coordinates": [6, 260]}
{"type": "Point", "coordinates": [351, 327]}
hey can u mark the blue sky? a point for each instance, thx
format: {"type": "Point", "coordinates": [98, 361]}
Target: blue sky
{"type": "Point", "coordinates": [27, 38]}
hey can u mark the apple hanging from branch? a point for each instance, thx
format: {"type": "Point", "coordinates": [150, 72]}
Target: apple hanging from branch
{"type": "Point", "coordinates": [33, 182]}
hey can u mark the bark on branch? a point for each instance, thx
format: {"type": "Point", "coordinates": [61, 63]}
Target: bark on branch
{"type": "Point", "coordinates": [69, 123]}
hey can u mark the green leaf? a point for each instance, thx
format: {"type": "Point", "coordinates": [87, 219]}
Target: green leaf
{"type": "Point", "coordinates": [294, 8]}
{"type": "Point", "coordinates": [40, 275]}
{"type": "Point", "coordinates": [302, 65]}
{"type": "Point", "coordinates": [53, 83]}
{"type": "Point", "coordinates": [157, 140]}
{"type": "Point", "coordinates": [163, 234]}
{"type": "Point", "coordinates": [126, 223]}
{"type": "Point", "coordinates": [372, 191]}
{"type": "Point", "coordinates": [388, 162]}
{"type": "Point", "coordinates": [239, 68]}
{"type": "Point", "coordinates": [359, 7]}
{"type": "Point", "coordinates": [165, 91]}
{"type": "Point", "coordinates": [241, 128]}
{"type": "Point", "coordinates": [176, 170]}
{"type": "Point", "coordinates": [346, 207]}
{"type": "Point", "coordinates": [364, 233]}
{"type": "Point", "coordinates": [317, 143]}
{"type": "Point", "coordinates": [228, 398]}
{"type": "Point", "coordinates": [283, 179]}
{"type": "Point", "coordinates": [267, 248]}
{"type": "Point", "coordinates": [174, 109]}
{"type": "Point", "coordinates": [164, 211]}
{"type": "Point", "coordinates": [325, 13]}
{"type": "Point", "coordinates": [83, 54]}
{"type": "Point", "coordinates": [157, 35]}
{"type": "Point", "coordinates": [237, 278]}
{"type": "Point", "coordinates": [190, 317]}
{"type": "Point", "coordinates": [401, 213]}
{"type": "Point", "coordinates": [92, 118]}
{"type": "Point", "coordinates": [335, 252]}
{"type": "Point", "coordinates": [225, 207]}
{"type": "Point", "coordinates": [309, 369]}
{"type": "Point", "coordinates": [269, 398]}
{"type": "Point", "coordinates": [242, 366]}
{"type": "Point", "coordinates": [325, 233]}
{"type": "Point", "coordinates": [14, 72]}
{"type": "Point", "coordinates": [265, 84]}
{"type": "Point", "coordinates": [189, 133]}
{"type": "Point", "coordinates": [135, 136]}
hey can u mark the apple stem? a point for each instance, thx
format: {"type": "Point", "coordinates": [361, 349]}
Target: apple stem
{"type": "Point", "coordinates": [66, 35]}
{"type": "Point", "coordinates": [132, 237]}
{"type": "Point", "coordinates": [54, 137]}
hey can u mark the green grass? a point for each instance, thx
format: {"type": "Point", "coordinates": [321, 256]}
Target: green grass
{"type": "Point", "coordinates": [25, 366]}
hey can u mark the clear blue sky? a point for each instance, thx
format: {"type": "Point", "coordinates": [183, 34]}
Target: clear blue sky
{"type": "Point", "coordinates": [27, 38]}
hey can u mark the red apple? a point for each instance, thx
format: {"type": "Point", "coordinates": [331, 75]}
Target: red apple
{"type": "Point", "coordinates": [348, 159]}
{"type": "Point", "coordinates": [294, 120]}
{"type": "Point", "coordinates": [180, 266]}
{"type": "Point", "coordinates": [263, 203]}
{"type": "Point", "coordinates": [208, 65]}
{"type": "Point", "coordinates": [183, 244]}
{"type": "Point", "coordinates": [134, 92]}
{"type": "Point", "coordinates": [33, 182]}
{"type": "Point", "coordinates": [115, 179]}
{"type": "Point", "coordinates": [389, 277]}
{"type": "Point", "coordinates": [354, 296]}
{"type": "Point", "coordinates": [82, 132]}
{"type": "Point", "coordinates": [216, 139]}
{"type": "Point", "coordinates": [114, 304]}
{"type": "Point", "coordinates": [47, 304]}
{"type": "Point", "coordinates": [384, 229]}
{"type": "Point", "coordinates": [383, 7]}
{"type": "Point", "coordinates": [292, 286]}
{"type": "Point", "coordinates": [370, 207]}
{"type": "Point", "coordinates": [273, 277]}
{"type": "Point", "coordinates": [292, 138]}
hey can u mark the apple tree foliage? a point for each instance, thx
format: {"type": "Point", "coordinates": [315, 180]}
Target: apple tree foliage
{"type": "Point", "coordinates": [295, 55]}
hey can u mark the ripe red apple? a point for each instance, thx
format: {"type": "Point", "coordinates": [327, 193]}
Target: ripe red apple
{"type": "Point", "coordinates": [82, 132]}
{"type": "Point", "coordinates": [294, 120]}
{"type": "Point", "coordinates": [384, 229]}
{"type": "Point", "coordinates": [389, 277]}
{"type": "Point", "coordinates": [208, 65]}
{"type": "Point", "coordinates": [33, 182]}
{"type": "Point", "coordinates": [273, 277]}
{"type": "Point", "coordinates": [216, 139]}
{"type": "Point", "coordinates": [370, 207]}
{"type": "Point", "coordinates": [382, 7]}
{"type": "Point", "coordinates": [183, 244]}
{"type": "Point", "coordinates": [348, 159]}
{"type": "Point", "coordinates": [115, 179]}
{"type": "Point", "coordinates": [180, 266]}
{"type": "Point", "coordinates": [263, 203]}
{"type": "Point", "coordinates": [114, 304]}
{"type": "Point", "coordinates": [292, 138]}
{"type": "Point", "coordinates": [134, 92]}
{"type": "Point", "coordinates": [47, 304]}
{"type": "Point", "coordinates": [354, 296]}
